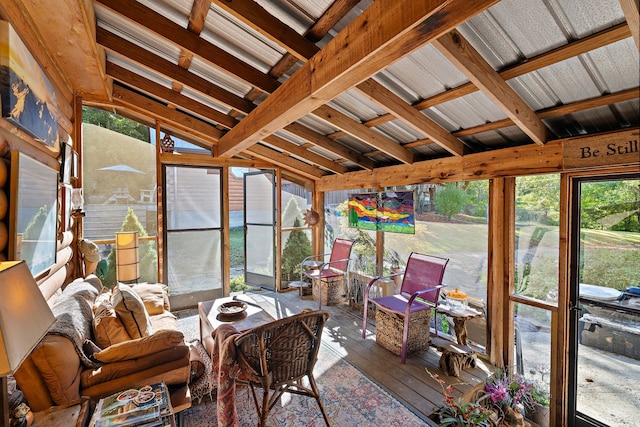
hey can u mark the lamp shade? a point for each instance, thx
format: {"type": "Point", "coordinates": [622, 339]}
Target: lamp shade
{"type": "Point", "coordinates": [25, 316]}
{"type": "Point", "coordinates": [127, 261]}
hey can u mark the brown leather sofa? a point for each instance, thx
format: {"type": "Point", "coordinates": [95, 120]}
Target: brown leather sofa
{"type": "Point", "coordinates": [131, 340]}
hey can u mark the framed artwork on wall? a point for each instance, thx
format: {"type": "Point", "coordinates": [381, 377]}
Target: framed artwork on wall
{"type": "Point", "coordinates": [34, 209]}
{"type": "Point", "coordinates": [27, 97]}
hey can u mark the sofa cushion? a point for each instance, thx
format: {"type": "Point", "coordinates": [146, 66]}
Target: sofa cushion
{"type": "Point", "coordinates": [104, 296]}
{"type": "Point", "coordinates": [153, 296]}
{"type": "Point", "coordinates": [60, 368]}
{"type": "Point", "coordinates": [131, 311]}
{"type": "Point", "coordinates": [134, 349]}
{"type": "Point", "coordinates": [107, 326]}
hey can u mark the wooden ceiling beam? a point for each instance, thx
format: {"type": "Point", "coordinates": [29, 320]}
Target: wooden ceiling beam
{"type": "Point", "coordinates": [299, 151]}
{"type": "Point", "coordinates": [373, 40]}
{"type": "Point", "coordinates": [330, 18]}
{"type": "Point", "coordinates": [185, 39]}
{"type": "Point", "coordinates": [326, 22]}
{"type": "Point", "coordinates": [302, 49]}
{"type": "Point", "coordinates": [459, 51]}
{"type": "Point", "coordinates": [174, 72]}
{"type": "Point", "coordinates": [255, 17]}
{"type": "Point", "coordinates": [285, 161]}
{"type": "Point", "coordinates": [386, 99]}
{"type": "Point", "coordinates": [149, 107]}
{"type": "Point", "coordinates": [631, 11]}
{"type": "Point", "coordinates": [578, 47]}
{"type": "Point", "coordinates": [168, 95]}
{"type": "Point", "coordinates": [328, 144]}
{"type": "Point", "coordinates": [363, 133]}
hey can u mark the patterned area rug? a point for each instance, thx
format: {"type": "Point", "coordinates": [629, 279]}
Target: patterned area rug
{"type": "Point", "coordinates": [350, 399]}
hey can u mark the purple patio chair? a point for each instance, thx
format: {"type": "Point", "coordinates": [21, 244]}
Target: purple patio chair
{"type": "Point", "coordinates": [420, 290]}
{"type": "Point", "coordinates": [314, 267]}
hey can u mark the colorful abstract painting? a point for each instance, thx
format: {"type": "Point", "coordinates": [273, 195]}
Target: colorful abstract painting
{"type": "Point", "coordinates": [390, 211]}
{"type": "Point", "coordinates": [27, 97]}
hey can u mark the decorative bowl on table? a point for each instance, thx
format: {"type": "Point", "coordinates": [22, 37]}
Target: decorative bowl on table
{"type": "Point", "coordinates": [232, 308]}
{"type": "Point", "coordinates": [457, 298]}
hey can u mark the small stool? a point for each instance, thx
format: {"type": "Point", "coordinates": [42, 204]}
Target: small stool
{"type": "Point", "coordinates": [300, 285]}
{"type": "Point", "coordinates": [455, 357]}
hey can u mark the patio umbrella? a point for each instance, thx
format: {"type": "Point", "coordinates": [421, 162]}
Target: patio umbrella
{"type": "Point", "coordinates": [121, 168]}
{"type": "Point", "coordinates": [121, 183]}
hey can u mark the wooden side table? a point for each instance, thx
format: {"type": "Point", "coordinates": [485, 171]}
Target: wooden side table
{"type": "Point", "coordinates": [77, 415]}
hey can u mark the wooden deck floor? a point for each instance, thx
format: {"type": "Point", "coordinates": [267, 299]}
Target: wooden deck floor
{"type": "Point", "coordinates": [409, 383]}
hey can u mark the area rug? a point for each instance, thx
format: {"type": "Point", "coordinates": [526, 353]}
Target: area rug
{"type": "Point", "coordinates": [349, 397]}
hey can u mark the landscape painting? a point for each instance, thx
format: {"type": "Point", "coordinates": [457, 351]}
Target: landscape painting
{"type": "Point", "coordinates": [27, 97]}
{"type": "Point", "coordinates": [390, 211]}
{"type": "Point", "coordinates": [395, 212]}
{"type": "Point", "coordinates": [363, 208]}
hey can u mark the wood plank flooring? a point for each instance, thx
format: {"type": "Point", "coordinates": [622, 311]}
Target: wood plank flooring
{"type": "Point", "coordinates": [409, 383]}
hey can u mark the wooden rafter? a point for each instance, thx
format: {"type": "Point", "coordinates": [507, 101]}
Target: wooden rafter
{"type": "Point", "coordinates": [285, 161]}
{"type": "Point", "coordinates": [174, 72]}
{"type": "Point", "coordinates": [631, 10]}
{"type": "Point", "coordinates": [460, 52]}
{"type": "Point", "coordinates": [382, 96]}
{"type": "Point", "coordinates": [369, 43]}
{"type": "Point", "coordinates": [363, 133]}
{"type": "Point", "coordinates": [328, 144]}
{"type": "Point", "coordinates": [185, 39]}
{"type": "Point", "coordinates": [266, 24]}
{"type": "Point", "coordinates": [594, 41]}
{"type": "Point", "coordinates": [301, 152]}
{"type": "Point", "coordinates": [168, 95]}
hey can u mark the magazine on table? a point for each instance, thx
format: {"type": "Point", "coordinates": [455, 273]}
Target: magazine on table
{"type": "Point", "coordinates": [147, 406]}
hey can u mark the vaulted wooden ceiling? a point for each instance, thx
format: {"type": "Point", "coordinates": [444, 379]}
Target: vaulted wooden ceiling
{"type": "Point", "coordinates": [330, 87]}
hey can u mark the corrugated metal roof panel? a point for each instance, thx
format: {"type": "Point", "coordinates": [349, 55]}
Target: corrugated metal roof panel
{"type": "Point", "coordinates": [358, 105]}
{"type": "Point", "coordinates": [246, 44]}
{"type": "Point", "coordinates": [465, 112]}
{"type": "Point", "coordinates": [136, 34]}
{"type": "Point", "coordinates": [298, 15]}
{"type": "Point", "coordinates": [205, 100]}
{"type": "Point", "coordinates": [317, 125]}
{"type": "Point", "coordinates": [218, 77]}
{"type": "Point", "coordinates": [399, 131]}
{"type": "Point", "coordinates": [135, 68]}
{"type": "Point", "coordinates": [420, 75]}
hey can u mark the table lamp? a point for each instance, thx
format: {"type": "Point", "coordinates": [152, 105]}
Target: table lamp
{"type": "Point", "coordinates": [127, 261]}
{"type": "Point", "coordinates": [25, 317]}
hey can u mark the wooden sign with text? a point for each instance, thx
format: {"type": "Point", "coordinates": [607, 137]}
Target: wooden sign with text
{"type": "Point", "coordinates": [621, 148]}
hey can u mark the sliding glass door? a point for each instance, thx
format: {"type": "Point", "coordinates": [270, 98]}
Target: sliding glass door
{"type": "Point", "coordinates": [605, 301]}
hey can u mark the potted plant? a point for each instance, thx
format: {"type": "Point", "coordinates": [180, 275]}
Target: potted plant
{"type": "Point", "coordinates": [510, 395]}
{"type": "Point", "coordinates": [456, 412]}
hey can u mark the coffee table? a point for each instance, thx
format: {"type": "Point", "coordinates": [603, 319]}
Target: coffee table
{"type": "Point", "coordinates": [210, 318]}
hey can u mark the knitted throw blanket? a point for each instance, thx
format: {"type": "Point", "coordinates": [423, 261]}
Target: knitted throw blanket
{"type": "Point", "coordinates": [74, 317]}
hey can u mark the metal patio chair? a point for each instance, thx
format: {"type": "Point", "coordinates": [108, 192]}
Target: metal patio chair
{"type": "Point", "coordinates": [420, 290]}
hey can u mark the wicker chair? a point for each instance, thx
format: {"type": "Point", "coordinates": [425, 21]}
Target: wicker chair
{"type": "Point", "coordinates": [278, 355]}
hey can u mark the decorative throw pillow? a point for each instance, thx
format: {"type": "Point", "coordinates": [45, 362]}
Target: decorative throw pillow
{"type": "Point", "coordinates": [131, 311]}
{"type": "Point", "coordinates": [103, 296]}
{"type": "Point", "coordinates": [161, 340]}
{"type": "Point", "coordinates": [153, 296]}
{"type": "Point", "coordinates": [107, 326]}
